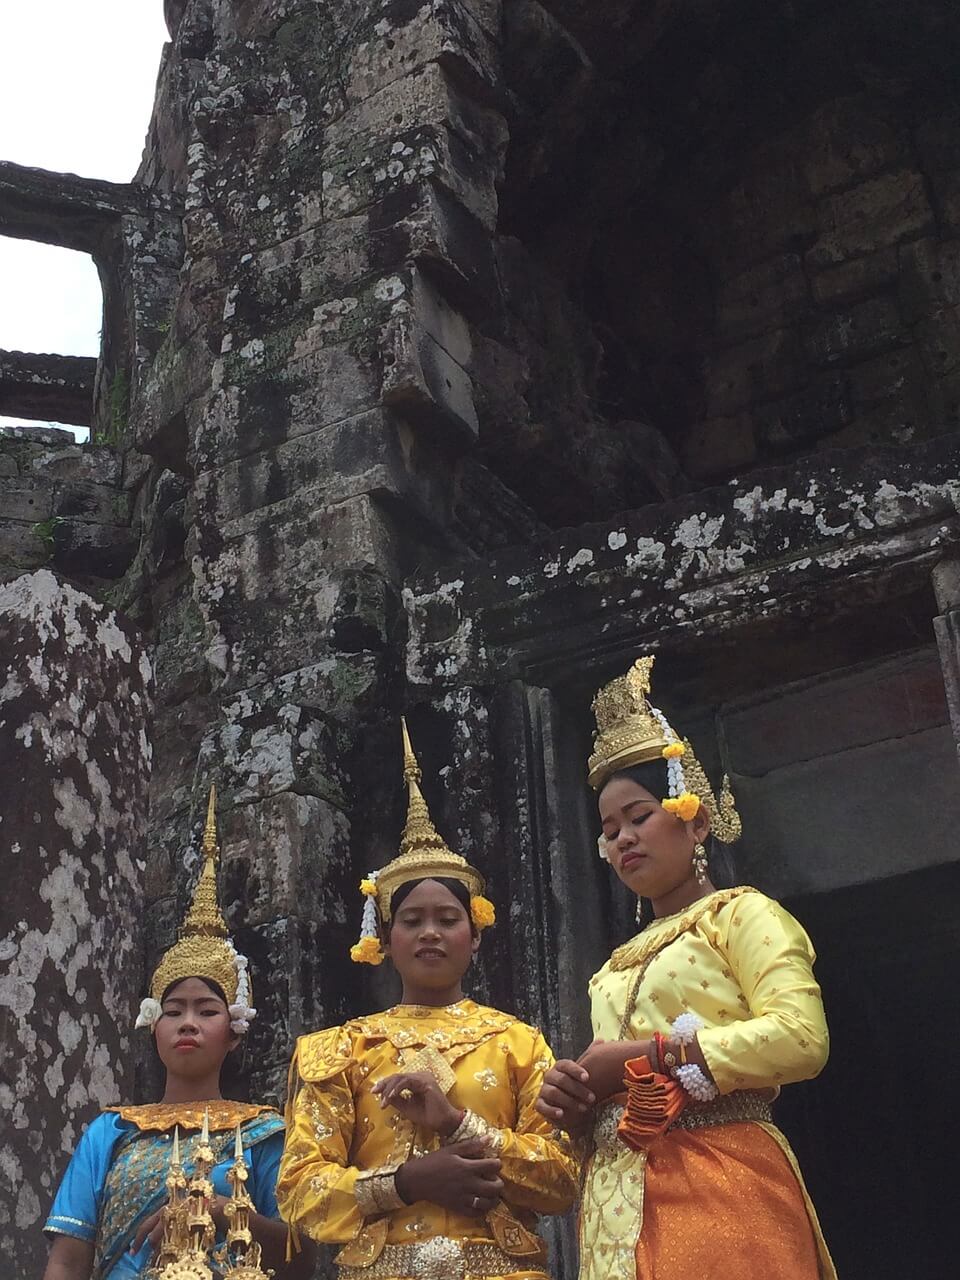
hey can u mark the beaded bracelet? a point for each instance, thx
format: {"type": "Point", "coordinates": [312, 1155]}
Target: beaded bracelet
{"type": "Point", "coordinates": [695, 1082]}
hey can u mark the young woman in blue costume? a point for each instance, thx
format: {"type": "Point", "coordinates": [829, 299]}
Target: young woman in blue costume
{"type": "Point", "coordinates": [105, 1220]}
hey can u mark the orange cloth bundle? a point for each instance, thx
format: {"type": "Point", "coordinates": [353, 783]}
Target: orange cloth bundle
{"type": "Point", "coordinates": [653, 1103]}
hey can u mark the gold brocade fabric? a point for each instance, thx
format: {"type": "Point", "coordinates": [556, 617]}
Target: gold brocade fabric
{"type": "Point", "coordinates": [338, 1129]}
{"type": "Point", "coordinates": [744, 966]}
{"type": "Point", "coordinates": [158, 1117]}
{"type": "Point", "coordinates": [726, 1201]}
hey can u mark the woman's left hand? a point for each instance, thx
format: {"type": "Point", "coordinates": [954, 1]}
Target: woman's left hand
{"type": "Point", "coordinates": [605, 1061]}
{"type": "Point", "coordinates": [418, 1098]}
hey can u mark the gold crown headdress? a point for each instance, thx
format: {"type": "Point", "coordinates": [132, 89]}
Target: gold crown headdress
{"type": "Point", "coordinates": [630, 730]}
{"type": "Point", "coordinates": [423, 855]}
{"type": "Point", "coordinates": [204, 949]}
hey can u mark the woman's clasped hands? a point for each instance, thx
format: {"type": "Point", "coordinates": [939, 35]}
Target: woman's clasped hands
{"type": "Point", "coordinates": [460, 1176]}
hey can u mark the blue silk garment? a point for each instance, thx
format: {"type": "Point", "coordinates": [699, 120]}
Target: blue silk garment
{"type": "Point", "coordinates": [117, 1178]}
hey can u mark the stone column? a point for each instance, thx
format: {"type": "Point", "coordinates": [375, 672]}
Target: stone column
{"type": "Point", "coordinates": [946, 584]}
{"type": "Point", "coordinates": [74, 743]}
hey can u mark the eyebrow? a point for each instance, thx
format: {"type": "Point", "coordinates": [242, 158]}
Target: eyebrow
{"type": "Point", "coordinates": [626, 809]}
{"type": "Point", "coordinates": [212, 999]}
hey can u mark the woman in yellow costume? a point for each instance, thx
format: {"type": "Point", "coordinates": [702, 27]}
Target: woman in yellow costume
{"type": "Point", "coordinates": [105, 1222]}
{"type": "Point", "coordinates": [413, 1139]}
{"type": "Point", "coordinates": [698, 1022]}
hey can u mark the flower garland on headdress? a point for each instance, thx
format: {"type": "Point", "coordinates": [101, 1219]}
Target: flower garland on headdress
{"type": "Point", "coordinates": [204, 949]}
{"type": "Point", "coordinates": [423, 856]}
{"type": "Point", "coordinates": [630, 730]}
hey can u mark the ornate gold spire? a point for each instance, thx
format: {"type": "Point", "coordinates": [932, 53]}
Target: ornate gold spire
{"type": "Point", "coordinates": [419, 833]}
{"type": "Point", "coordinates": [630, 730]}
{"type": "Point", "coordinates": [204, 917]}
{"type": "Point", "coordinates": [202, 950]}
{"type": "Point", "coordinates": [423, 851]}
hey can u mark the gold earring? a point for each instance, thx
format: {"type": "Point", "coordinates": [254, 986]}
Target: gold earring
{"type": "Point", "coordinates": [700, 865]}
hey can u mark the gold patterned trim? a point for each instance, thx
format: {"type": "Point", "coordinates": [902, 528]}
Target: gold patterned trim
{"type": "Point", "coordinates": [732, 1108]}
{"type": "Point", "coordinates": [473, 1126]}
{"type": "Point", "coordinates": [157, 1117]}
{"type": "Point", "coordinates": [321, 1055]}
{"type": "Point", "coordinates": [441, 1258]}
{"type": "Point", "coordinates": [430, 1060]}
{"type": "Point", "coordinates": [411, 1027]}
{"type": "Point", "coordinates": [54, 1218]}
{"type": "Point", "coordinates": [660, 933]}
{"type": "Point", "coordinates": [376, 1192]}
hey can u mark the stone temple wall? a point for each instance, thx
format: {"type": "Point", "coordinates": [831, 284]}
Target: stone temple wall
{"type": "Point", "coordinates": [755, 208]}
{"type": "Point", "coordinates": [463, 350]}
{"type": "Point", "coordinates": [74, 738]}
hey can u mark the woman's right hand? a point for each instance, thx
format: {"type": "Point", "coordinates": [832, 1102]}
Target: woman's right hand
{"type": "Point", "coordinates": [566, 1098]}
{"type": "Point", "coordinates": [461, 1177]}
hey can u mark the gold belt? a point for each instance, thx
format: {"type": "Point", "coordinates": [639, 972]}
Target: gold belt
{"type": "Point", "coordinates": [732, 1108]}
{"type": "Point", "coordinates": [442, 1258]}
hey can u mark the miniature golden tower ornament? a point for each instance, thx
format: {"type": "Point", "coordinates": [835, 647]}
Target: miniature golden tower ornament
{"type": "Point", "coordinates": [174, 1240]}
{"type": "Point", "coordinates": [240, 1253]}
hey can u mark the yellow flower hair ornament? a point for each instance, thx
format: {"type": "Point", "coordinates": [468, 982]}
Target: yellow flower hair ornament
{"type": "Point", "coordinates": [367, 950]}
{"type": "Point", "coordinates": [482, 912]}
{"type": "Point", "coordinates": [686, 806]}
{"type": "Point", "coordinates": [673, 751]}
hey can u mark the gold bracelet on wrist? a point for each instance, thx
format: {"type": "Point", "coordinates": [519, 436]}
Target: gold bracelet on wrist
{"type": "Point", "coordinates": [474, 1127]}
{"type": "Point", "coordinates": [376, 1192]}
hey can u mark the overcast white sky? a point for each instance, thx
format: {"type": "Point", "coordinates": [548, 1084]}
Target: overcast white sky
{"type": "Point", "coordinates": [77, 79]}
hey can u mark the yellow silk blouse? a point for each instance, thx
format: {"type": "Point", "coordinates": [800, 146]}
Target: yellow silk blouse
{"type": "Point", "coordinates": [745, 966]}
{"type": "Point", "coordinates": [337, 1129]}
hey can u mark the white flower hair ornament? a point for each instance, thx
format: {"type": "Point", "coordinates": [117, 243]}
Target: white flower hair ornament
{"type": "Point", "coordinates": [241, 1012]}
{"type": "Point", "coordinates": [150, 1011]}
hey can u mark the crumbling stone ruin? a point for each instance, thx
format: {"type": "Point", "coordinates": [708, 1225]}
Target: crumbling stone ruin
{"type": "Point", "coordinates": [455, 351]}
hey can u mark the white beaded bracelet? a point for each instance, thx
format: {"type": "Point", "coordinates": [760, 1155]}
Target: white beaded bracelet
{"type": "Point", "coordinates": [695, 1082]}
{"type": "Point", "coordinates": [686, 1027]}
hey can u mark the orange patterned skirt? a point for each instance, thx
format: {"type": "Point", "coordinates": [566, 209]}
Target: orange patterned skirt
{"type": "Point", "coordinates": [727, 1201]}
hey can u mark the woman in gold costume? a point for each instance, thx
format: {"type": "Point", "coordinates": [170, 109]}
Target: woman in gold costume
{"type": "Point", "coordinates": [105, 1222]}
{"type": "Point", "coordinates": [698, 1022]}
{"type": "Point", "coordinates": [413, 1139]}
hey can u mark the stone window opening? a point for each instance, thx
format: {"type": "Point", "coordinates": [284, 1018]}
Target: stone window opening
{"type": "Point", "coordinates": [47, 375]}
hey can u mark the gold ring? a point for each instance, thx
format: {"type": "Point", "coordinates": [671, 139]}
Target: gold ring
{"type": "Point", "coordinates": [406, 1094]}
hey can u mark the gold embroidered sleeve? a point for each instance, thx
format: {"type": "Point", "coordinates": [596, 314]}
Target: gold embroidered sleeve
{"type": "Point", "coordinates": [785, 1037]}
{"type": "Point", "coordinates": [538, 1166]}
{"type": "Point", "coordinates": [316, 1187]}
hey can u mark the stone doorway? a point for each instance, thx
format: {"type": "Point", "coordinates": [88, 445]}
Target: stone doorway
{"type": "Point", "coordinates": [873, 1133]}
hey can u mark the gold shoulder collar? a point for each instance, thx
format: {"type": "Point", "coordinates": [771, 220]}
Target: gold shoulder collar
{"type": "Point", "coordinates": [156, 1117]}
{"type": "Point", "coordinates": [415, 1026]}
{"type": "Point", "coordinates": [324, 1054]}
{"type": "Point", "coordinates": [660, 933]}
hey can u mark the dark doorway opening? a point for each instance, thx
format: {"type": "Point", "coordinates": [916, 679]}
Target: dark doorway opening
{"type": "Point", "coordinates": [873, 1134]}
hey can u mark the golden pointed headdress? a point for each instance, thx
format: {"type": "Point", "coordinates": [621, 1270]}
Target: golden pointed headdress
{"type": "Point", "coordinates": [423, 855]}
{"type": "Point", "coordinates": [630, 730]}
{"type": "Point", "coordinates": [204, 949]}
